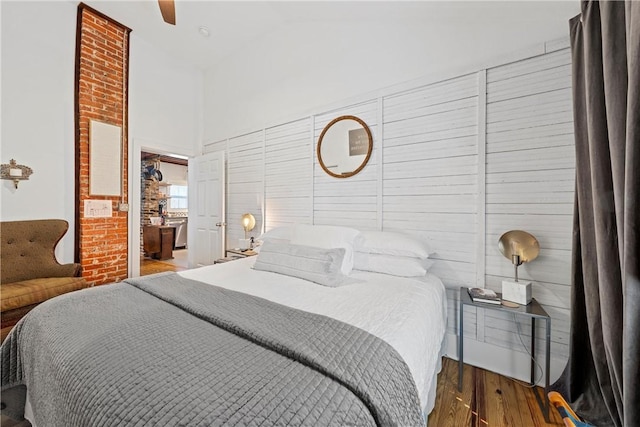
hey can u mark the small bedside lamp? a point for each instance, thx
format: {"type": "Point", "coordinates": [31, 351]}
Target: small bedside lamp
{"type": "Point", "coordinates": [519, 247]}
{"type": "Point", "coordinates": [248, 222]}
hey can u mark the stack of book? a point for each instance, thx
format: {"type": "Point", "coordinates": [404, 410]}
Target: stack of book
{"type": "Point", "coordinates": [484, 295]}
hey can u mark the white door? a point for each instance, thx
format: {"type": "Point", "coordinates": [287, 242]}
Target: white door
{"type": "Point", "coordinates": [206, 208]}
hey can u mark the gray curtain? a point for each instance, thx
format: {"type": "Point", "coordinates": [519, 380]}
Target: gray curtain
{"type": "Point", "coordinates": [602, 377]}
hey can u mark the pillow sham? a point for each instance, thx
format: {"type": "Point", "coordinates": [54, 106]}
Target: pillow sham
{"type": "Point", "coordinates": [327, 236]}
{"type": "Point", "coordinates": [391, 264]}
{"type": "Point", "coordinates": [392, 243]}
{"type": "Point", "coordinates": [282, 233]}
{"type": "Point", "coordinates": [314, 264]}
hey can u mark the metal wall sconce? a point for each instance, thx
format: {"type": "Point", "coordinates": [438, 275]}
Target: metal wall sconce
{"type": "Point", "coordinates": [15, 172]}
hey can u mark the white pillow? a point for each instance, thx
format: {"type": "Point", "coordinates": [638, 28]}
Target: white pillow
{"type": "Point", "coordinates": [390, 264]}
{"type": "Point", "coordinates": [314, 264]}
{"type": "Point", "coordinates": [391, 243]}
{"type": "Point", "coordinates": [327, 236]}
{"type": "Point", "coordinates": [281, 233]}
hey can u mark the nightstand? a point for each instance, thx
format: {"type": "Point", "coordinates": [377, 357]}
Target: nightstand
{"type": "Point", "coordinates": [234, 254]}
{"type": "Point", "coordinates": [237, 253]}
{"type": "Point", "coordinates": [534, 311]}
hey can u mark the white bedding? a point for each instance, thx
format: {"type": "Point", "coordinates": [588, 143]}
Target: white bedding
{"type": "Point", "coordinates": [408, 313]}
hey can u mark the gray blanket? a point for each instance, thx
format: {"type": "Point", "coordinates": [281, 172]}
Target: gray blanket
{"type": "Point", "coordinates": [169, 351]}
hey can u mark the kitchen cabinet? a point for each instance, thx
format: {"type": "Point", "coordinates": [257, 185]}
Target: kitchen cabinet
{"type": "Point", "coordinates": [158, 241]}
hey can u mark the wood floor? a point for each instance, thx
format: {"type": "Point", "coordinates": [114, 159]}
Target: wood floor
{"type": "Point", "coordinates": [179, 262]}
{"type": "Point", "coordinates": [487, 400]}
{"type": "Point", "coordinates": [152, 266]}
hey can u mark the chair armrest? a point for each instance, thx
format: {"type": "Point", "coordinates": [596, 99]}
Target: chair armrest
{"type": "Point", "coordinates": [66, 270]}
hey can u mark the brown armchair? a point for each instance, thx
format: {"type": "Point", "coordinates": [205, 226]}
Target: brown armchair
{"type": "Point", "coordinates": [30, 273]}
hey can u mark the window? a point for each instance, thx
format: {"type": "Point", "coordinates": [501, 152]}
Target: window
{"type": "Point", "coordinates": [178, 197]}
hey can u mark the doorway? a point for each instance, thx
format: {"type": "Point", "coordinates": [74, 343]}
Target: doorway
{"type": "Point", "coordinates": [164, 214]}
{"type": "Point", "coordinates": [206, 227]}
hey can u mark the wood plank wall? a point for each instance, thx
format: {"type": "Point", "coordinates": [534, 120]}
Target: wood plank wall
{"type": "Point", "coordinates": [351, 202]}
{"type": "Point", "coordinates": [288, 183]}
{"type": "Point", "coordinates": [459, 162]}
{"type": "Point", "coordinates": [530, 185]}
{"type": "Point", "coordinates": [245, 184]}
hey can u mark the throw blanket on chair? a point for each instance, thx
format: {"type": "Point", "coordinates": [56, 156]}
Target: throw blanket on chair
{"type": "Point", "coordinates": [164, 350]}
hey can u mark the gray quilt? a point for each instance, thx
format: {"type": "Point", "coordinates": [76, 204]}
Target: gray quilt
{"type": "Point", "coordinates": [168, 351]}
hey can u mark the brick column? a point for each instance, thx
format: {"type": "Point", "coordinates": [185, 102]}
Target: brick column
{"type": "Point", "coordinates": [102, 70]}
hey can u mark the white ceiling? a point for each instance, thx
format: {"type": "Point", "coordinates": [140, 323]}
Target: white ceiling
{"type": "Point", "coordinates": [233, 25]}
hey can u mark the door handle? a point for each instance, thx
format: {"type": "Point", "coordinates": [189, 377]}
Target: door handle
{"type": "Point", "coordinates": [221, 224]}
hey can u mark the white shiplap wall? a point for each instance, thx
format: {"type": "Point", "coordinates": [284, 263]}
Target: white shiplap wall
{"type": "Point", "coordinates": [245, 184]}
{"type": "Point", "coordinates": [460, 162]}
{"type": "Point", "coordinates": [351, 202]}
{"type": "Point", "coordinates": [530, 186]}
{"type": "Point", "coordinates": [288, 174]}
{"type": "Point", "coordinates": [431, 172]}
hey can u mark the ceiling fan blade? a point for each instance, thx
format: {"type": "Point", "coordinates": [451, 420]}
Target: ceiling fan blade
{"type": "Point", "coordinates": [168, 10]}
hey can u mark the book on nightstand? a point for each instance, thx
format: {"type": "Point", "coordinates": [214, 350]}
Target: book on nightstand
{"type": "Point", "coordinates": [484, 295]}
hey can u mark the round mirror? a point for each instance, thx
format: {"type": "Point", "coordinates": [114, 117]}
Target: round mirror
{"type": "Point", "coordinates": [344, 146]}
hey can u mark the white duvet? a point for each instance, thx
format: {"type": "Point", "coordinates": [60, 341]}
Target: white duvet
{"type": "Point", "coordinates": [408, 313]}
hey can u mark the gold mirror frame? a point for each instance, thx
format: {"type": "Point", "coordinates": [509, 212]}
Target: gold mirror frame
{"type": "Point", "coordinates": [322, 139]}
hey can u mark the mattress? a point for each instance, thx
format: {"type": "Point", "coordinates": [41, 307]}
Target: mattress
{"type": "Point", "coordinates": [410, 314]}
{"type": "Point", "coordinates": [407, 313]}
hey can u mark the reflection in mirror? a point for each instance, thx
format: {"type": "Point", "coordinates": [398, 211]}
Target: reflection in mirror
{"type": "Point", "coordinates": [344, 146]}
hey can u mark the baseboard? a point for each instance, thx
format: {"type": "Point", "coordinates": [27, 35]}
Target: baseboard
{"type": "Point", "coordinates": [503, 361]}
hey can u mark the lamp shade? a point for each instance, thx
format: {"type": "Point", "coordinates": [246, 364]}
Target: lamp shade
{"type": "Point", "coordinates": [519, 246]}
{"type": "Point", "coordinates": [248, 222]}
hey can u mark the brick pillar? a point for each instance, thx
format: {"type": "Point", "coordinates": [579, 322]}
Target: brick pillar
{"type": "Point", "coordinates": [102, 71]}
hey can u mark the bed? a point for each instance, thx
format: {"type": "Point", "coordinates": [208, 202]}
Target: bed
{"type": "Point", "coordinates": [233, 344]}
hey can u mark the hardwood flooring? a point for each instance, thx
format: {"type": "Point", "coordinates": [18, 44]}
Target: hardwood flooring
{"type": "Point", "coordinates": [152, 266]}
{"type": "Point", "coordinates": [487, 400]}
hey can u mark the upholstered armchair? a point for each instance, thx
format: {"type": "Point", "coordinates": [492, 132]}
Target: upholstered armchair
{"type": "Point", "coordinates": [30, 273]}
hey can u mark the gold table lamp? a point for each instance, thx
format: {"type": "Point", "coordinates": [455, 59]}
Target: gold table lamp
{"type": "Point", "coordinates": [248, 222]}
{"type": "Point", "coordinates": [519, 247]}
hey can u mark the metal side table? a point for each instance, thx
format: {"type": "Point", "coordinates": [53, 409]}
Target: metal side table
{"type": "Point", "coordinates": [534, 311]}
